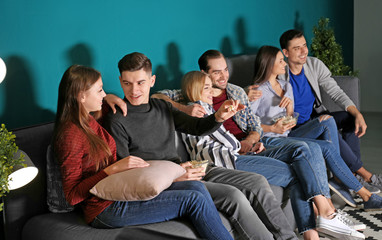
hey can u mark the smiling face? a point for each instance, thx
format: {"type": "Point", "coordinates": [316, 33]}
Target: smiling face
{"type": "Point", "coordinates": [218, 72]}
{"type": "Point", "coordinates": [136, 86]}
{"type": "Point", "coordinates": [207, 92]}
{"type": "Point", "coordinates": [92, 98]}
{"type": "Point", "coordinates": [297, 51]}
{"type": "Point", "coordinates": [279, 65]}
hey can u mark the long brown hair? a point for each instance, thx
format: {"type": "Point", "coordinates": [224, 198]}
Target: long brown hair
{"type": "Point", "coordinates": [75, 80]}
{"type": "Point", "coordinates": [265, 59]}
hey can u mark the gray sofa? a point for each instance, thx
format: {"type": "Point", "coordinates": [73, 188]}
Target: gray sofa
{"type": "Point", "coordinates": [26, 214]}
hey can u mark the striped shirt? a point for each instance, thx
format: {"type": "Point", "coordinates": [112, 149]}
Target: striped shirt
{"type": "Point", "coordinates": [219, 147]}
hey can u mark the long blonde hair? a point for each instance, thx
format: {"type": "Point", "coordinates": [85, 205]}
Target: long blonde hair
{"type": "Point", "coordinates": [193, 84]}
{"type": "Point", "coordinates": [75, 80]}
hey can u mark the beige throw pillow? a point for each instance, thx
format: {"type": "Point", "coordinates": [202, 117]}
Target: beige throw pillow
{"type": "Point", "coordinates": [138, 184]}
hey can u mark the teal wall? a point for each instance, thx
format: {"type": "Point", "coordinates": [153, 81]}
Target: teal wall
{"type": "Point", "coordinates": [39, 39]}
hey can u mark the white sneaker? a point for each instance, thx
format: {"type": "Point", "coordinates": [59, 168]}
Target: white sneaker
{"type": "Point", "coordinates": [354, 225]}
{"type": "Point", "coordinates": [337, 228]}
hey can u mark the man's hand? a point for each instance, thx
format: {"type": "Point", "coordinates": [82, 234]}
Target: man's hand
{"type": "Point", "coordinates": [253, 93]}
{"type": "Point", "coordinates": [195, 110]}
{"type": "Point", "coordinates": [258, 148]}
{"type": "Point", "coordinates": [228, 109]}
{"type": "Point", "coordinates": [126, 163]}
{"type": "Point", "coordinates": [359, 123]}
{"type": "Point", "coordinates": [113, 100]}
{"type": "Point", "coordinates": [192, 174]}
{"type": "Point", "coordinates": [246, 146]}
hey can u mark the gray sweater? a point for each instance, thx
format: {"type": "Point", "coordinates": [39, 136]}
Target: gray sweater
{"type": "Point", "coordinates": [148, 130]}
{"type": "Point", "coordinates": [318, 76]}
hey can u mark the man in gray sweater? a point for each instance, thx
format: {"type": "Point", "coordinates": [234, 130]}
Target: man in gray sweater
{"type": "Point", "coordinates": [308, 76]}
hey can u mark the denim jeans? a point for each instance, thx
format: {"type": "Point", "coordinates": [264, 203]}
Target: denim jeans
{"type": "Point", "coordinates": [280, 173]}
{"type": "Point", "coordinates": [316, 129]}
{"type": "Point", "coordinates": [313, 131]}
{"type": "Point", "coordinates": [248, 201]}
{"type": "Point", "coordinates": [189, 199]}
{"type": "Point", "coordinates": [345, 142]}
{"type": "Point", "coordinates": [349, 143]}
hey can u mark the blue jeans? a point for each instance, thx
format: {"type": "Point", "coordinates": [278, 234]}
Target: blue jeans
{"type": "Point", "coordinates": [326, 130]}
{"type": "Point", "coordinates": [316, 129]}
{"type": "Point", "coordinates": [345, 142]}
{"type": "Point", "coordinates": [188, 199]}
{"type": "Point", "coordinates": [281, 174]}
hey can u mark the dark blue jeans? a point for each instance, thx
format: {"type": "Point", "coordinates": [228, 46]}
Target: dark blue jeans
{"type": "Point", "coordinates": [188, 199]}
{"type": "Point", "coordinates": [349, 143]}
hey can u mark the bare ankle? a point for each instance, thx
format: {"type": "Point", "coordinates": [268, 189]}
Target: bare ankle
{"type": "Point", "coordinates": [311, 234]}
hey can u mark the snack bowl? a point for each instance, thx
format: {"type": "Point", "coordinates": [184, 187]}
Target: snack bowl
{"type": "Point", "coordinates": [198, 164]}
{"type": "Point", "coordinates": [286, 119]}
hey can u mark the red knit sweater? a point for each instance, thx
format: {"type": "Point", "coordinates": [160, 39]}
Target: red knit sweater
{"type": "Point", "coordinates": [79, 174]}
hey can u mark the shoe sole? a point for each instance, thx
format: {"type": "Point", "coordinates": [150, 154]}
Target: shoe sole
{"type": "Point", "coordinates": [372, 209]}
{"type": "Point", "coordinates": [336, 235]}
{"type": "Point", "coordinates": [342, 197]}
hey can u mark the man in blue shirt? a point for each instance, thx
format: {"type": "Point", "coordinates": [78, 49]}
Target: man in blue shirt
{"type": "Point", "coordinates": [307, 75]}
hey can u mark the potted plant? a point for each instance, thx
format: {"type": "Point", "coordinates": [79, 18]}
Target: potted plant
{"type": "Point", "coordinates": [8, 160]}
{"type": "Point", "coordinates": [325, 48]}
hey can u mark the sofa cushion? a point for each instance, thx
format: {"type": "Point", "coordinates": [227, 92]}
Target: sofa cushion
{"type": "Point", "coordinates": [55, 194]}
{"type": "Point", "coordinates": [138, 184]}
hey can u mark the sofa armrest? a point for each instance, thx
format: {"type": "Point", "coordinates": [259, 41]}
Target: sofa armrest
{"type": "Point", "coordinates": [350, 85]}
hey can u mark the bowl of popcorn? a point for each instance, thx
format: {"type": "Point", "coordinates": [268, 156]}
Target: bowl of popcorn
{"type": "Point", "coordinates": [285, 118]}
{"type": "Point", "coordinates": [197, 164]}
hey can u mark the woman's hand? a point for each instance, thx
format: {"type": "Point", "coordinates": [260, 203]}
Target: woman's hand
{"type": "Point", "coordinates": [126, 163]}
{"type": "Point", "coordinates": [228, 109]}
{"type": "Point", "coordinates": [287, 103]}
{"type": "Point", "coordinates": [192, 174]}
{"type": "Point", "coordinates": [113, 101]}
{"type": "Point", "coordinates": [281, 128]}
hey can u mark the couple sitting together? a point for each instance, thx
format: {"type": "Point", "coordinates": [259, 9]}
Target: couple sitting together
{"type": "Point", "coordinates": [244, 154]}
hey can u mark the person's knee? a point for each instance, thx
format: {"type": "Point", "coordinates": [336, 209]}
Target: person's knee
{"type": "Point", "coordinates": [324, 117]}
{"type": "Point", "coordinates": [194, 185]}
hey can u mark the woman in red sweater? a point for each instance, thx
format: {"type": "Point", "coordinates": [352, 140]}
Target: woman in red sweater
{"type": "Point", "coordinates": [87, 154]}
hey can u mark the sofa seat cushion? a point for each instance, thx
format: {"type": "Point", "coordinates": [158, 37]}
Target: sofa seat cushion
{"type": "Point", "coordinates": [69, 226]}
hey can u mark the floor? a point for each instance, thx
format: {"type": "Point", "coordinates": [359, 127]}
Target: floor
{"type": "Point", "coordinates": [371, 143]}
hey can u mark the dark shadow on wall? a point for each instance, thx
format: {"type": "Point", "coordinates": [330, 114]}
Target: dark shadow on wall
{"type": "Point", "coordinates": [80, 54]}
{"type": "Point", "coordinates": [169, 76]}
{"type": "Point", "coordinates": [226, 47]}
{"type": "Point", "coordinates": [298, 24]}
{"type": "Point", "coordinates": [21, 108]}
{"type": "Point", "coordinates": [242, 38]}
